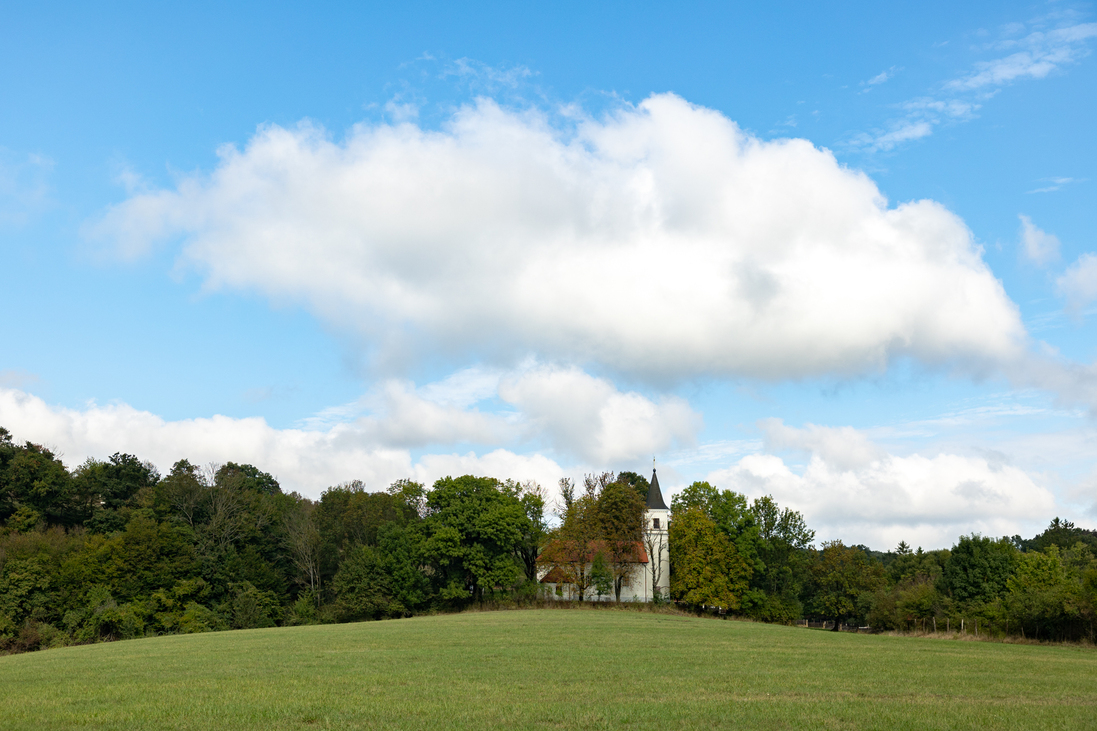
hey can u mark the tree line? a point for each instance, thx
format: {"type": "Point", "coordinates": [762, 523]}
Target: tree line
{"type": "Point", "coordinates": [112, 549]}
{"type": "Point", "coordinates": [757, 560]}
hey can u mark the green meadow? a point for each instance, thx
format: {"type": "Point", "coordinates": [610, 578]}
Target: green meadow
{"type": "Point", "coordinates": [573, 669]}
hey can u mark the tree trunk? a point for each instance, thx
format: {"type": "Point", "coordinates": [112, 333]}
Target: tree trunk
{"type": "Point", "coordinates": [837, 624]}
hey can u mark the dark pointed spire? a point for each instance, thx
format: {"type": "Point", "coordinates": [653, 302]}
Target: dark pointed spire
{"type": "Point", "coordinates": [655, 495]}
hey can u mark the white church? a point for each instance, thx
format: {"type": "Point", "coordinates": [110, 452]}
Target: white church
{"type": "Point", "coordinates": [639, 585]}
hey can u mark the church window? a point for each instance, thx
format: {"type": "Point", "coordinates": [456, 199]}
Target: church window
{"type": "Point", "coordinates": [655, 523]}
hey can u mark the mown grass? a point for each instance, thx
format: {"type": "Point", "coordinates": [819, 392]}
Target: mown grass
{"type": "Point", "coordinates": [549, 669]}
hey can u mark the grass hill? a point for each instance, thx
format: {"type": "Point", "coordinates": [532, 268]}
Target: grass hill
{"type": "Point", "coordinates": [580, 669]}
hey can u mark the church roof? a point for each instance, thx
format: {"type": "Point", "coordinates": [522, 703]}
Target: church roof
{"type": "Point", "coordinates": [558, 553]}
{"type": "Point", "coordinates": [655, 495]}
{"type": "Point", "coordinates": [555, 576]}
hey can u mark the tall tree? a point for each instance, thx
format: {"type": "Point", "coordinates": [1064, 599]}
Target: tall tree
{"type": "Point", "coordinates": [382, 580]}
{"type": "Point", "coordinates": [637, 481]}
{"type": "Point", "coordinates": [302, 539]}
{"type": "Point", "coordinates": [349, 515]}
{"type": "Point", "coordinates": [1041, 594]}
{"type": "Point", "coordinates": [246, 477]}
{"type": "Point", "coordinates": [535, 530]}
{"type": "Point", "coordinates": [730, 512]}
{"type": "Point", "coordinates": [1061, 533]}
{"type": "Point", "coordinates": [706, 568]}
{"type": "Point", "coordinates": [978, 569]}
{"type": "Point", "coordinates": [183, 493]}
{"type": "Point", "coordinates": [35, 485]}
{"type": "Point", "coordinates": [620, 517]}
{"type": "Point", "coordinates": [783, 540]}
{"type": "Point", "coordinates": [841, 575]}
{"type": "Point", "coordinates": [108, 489]}
{"type": "Point", "coordinates": [570, 547]}
{"type": "Point", "coordinates": [472, 529]}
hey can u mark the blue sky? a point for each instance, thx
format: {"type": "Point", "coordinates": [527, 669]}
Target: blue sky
{"type": "Point", "coordinates": [841, 256]}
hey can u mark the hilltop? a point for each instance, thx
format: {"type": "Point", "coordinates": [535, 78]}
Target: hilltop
{"type": "Point", "coordinates": [548, 669]}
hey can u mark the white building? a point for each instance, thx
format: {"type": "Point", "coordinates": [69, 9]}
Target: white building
{"type": "Point", "coordinates": [653, 553]}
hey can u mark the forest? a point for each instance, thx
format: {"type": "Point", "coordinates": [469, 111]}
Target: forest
{"type": "Point", "coordinates": [112, 549]}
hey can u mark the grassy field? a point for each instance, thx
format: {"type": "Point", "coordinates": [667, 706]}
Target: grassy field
{"type": "Point", "coordinates": [549, 669]}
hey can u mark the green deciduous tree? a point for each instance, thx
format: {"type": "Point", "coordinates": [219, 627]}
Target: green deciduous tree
{"type": "Point", "coordinates": [783, 543]}
{"type": "Point", "coordinates": [472, 530]}
{"type": "Point", "coordinates": [26, 588]}
{"type": "Point", "coordinates": [601, 576]}
{"type": "Point", "coordinates": [144, 557]}
{"type": "Point", "coordinates": [348, 516]}
{"type": "Point", "coordinates": [706, 568]}
{"type": "Point", "coordinates": [1043, 595]}
{"type": "Point", "coordinates": [840, 576]}
{"type": "Point", "coordinates": [620, 522]}
{"type": "Point", "coordinates": [250, 607]}
{"type": "Point", "coordinates": [535, 530]}
{"type": "Point", "coordinates": [978, 569]}
{"type": "Point", "coordinates": [731, 514]}
{"type": "Point", "coordinates": [638, 482]}
{"type": "Point", "coordinates": [34, 479]}
{"type": "Point", "coordinates": [303, 543]}
{"type": "Point", "coordinates": [571, 546]}
{"type": "Point", "coordinates": [108, 490]}
{"type": "Point", "coordinates": [382, 580]}
{"type": "Point", "coordinates": [183, 493]}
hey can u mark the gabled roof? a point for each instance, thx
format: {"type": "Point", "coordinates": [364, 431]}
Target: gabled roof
{"type": "Point", "coordinates": [555, 576]}
{"type": "Point", "coordinates": [557, 552]}
{"type": "Point", "coordinates": [655, 495]}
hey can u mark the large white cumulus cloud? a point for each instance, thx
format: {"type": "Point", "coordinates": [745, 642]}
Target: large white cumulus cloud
{"type": "Point", "coordinates": [590, 417]}
{"type": "Point", "coordinates": [661, 241]}
{"type": "Point", "coordinates": [305, 460]}
{"type": "Point", "coordinates": [852, 489]}
{"type": "Point", "coordinates": [562, 411]}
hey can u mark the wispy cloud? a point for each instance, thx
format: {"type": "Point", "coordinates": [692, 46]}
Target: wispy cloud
{"type": "Point", "coordinates": [922, 115]}
{"type": "Point", "coordinates": [1031, 52]}
{"type": "Point", "coordinates": [24, 186]}
{"type": "Point", "coordinates": [1055, 184]}
{"type": "Point", "coordinates": [902, 131]}
{"type": "Point", "coordinates": [1037, 245]}
{"type": "Point", "coordinates": [17, 378]}
{"type": "Point", "coordinates": [1078, 284]}
{"type": "Point", "coordinates": [879, 78]}
{"type": "Point", "coordinates": [486, 76]}
{"type": "Point", "coordinates": [1037, 54]}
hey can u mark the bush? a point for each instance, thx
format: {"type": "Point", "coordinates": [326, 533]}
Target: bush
{"type": "Point", "coordinates": [776, 609]}
{"type": "Point", "coordinates": [35, 635]}
{"type": "Point", "coordinates": [7, 629]}
{"type": "Point", "coordinates": [303, 611]}
{"type": "Point", "coordinates": [196, 618]}
{"type": "Point", "coordinates": [250, 607]}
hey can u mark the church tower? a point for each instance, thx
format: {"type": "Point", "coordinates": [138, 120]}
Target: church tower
{"type": "Point", "coordinates": [656, 543]}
